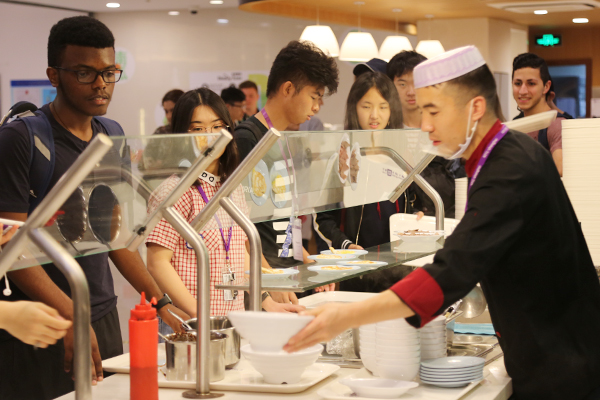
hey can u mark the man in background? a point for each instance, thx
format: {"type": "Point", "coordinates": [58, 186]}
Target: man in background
{"type": "Point", "coordinates": [252, 96]}
{"type": "Point", "coordinates": [168, 103]}
{"type": "Point", "coordinates": [531, 88]}
{"type": "Point", "coordinates": [373, 65]}
{"type": "Point", "coordinates": [235, 100]}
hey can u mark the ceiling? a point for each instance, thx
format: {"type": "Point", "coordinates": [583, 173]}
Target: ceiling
{"type": "Point", "coordinates": [413, 10]}
{"type": "Point", "coordinates": [131, 5]}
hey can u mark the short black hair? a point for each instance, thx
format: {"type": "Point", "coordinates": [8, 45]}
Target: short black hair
{"type": "Point", "coordinates": [386, 88]}
{"type": "Point", "coordinates": [530, 60]}
{"type": "Point", "coordinates": [172, 95]}
{"type": "Point", "coordinates": [404, 62]}
{"type": "Point", "coordinates": [248, 85]}
{"type": "Point", "coordinates": [303, 63]}
{"type": "Point", "coordinates": [479, 82]}
{"type": "Point", "coordinates": [77, 31]}
{"type": "Point", "coordinates": [232, 94]}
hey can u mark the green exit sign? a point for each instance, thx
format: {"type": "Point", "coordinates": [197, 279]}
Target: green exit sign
{"type": "Point", "coordinates": [548, 40]}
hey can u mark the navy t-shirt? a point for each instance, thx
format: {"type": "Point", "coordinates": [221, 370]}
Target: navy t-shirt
{"type": "Point", "coordinates": [15, 149]}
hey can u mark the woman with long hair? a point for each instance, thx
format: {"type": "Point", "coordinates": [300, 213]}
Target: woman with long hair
{"type": "Point", "coordinates": [171, 261]}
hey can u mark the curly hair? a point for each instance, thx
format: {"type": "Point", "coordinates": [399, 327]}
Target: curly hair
{"type": "Point", "coordinates": [77, 31]}
{"type": "Point", "coordinates": [363, 83]}
{"type": "Point", "coordinates": [404, 62]}
{"type": "Point", "coordinates": [182, 117]}
{"type": "Point", "coordinates": [303, 64]}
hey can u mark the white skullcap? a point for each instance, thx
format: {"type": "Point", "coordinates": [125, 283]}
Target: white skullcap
{"type": "Point", "coordinates": [447, 66]}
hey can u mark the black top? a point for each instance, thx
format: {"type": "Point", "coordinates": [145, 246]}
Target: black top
{"type": "Point", "coordinates": [245, 140]}
{"type": "Point", "coordinates": [521, 239]}
{"type": "Point", "coordinates": [14, 197]}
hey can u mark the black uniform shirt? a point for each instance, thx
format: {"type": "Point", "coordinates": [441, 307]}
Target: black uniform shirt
{"type": "Point", "coordinates": [521, 239]}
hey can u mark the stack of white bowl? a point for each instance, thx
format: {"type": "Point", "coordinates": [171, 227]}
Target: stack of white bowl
{"type": "Point", "coordinates": [460, 197]}
{"type": "Point", "coordinates": [267, 334]}
{"type": "Point", "coordinates": [433, 339]}
{"type": "Point", "coordinates": [391, 349]}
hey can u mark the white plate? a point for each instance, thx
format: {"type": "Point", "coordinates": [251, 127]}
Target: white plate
{"type": "Point", "coordinates": [280, 200]}
{"type": "Point", "coordinates": [261, 168]}
{"type": "Point", "coordinates": [364, 263]}
{"type": "Point", "coordinates": [453, 362]}
{"type": "Point", "coordinates": [320, 268]}
{"type": "Point", "coordinates": [420, 238]}
{"type": "Point", "coordinates": [244, 378]}
{"type": "Point", "coordinates": [532, 123]}
{"type": "Point", "coordinates": [321, 259]}
{"type": "Point", "coordinates": [453, 384]}
{"type": "Point", "coordinates": [472, 378]}
{"type": "Point", "coordinates": [378, 388]}
{"type": "Point", "coordinates": [356, 252]}
{"type": "Point", "coordinates": [345, 138]}
{"type": "Point", "coordinates": [356, 153]}
{"type": "Point", "coordinates": [450, 372]}
{"type": "Point", "coordinates": [287, 272]}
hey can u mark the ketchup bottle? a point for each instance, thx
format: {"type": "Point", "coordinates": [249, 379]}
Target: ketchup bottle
{"type": "Point", "coordinates": [143, 349]}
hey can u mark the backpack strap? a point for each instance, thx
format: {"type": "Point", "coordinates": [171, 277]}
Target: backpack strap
{"type": "Point", "coordinates": [252, 128]}
{"type": "Point", "coordinates": [42, 157]}
{"type": "Point", "coordinates": [543, 134]}
{"type": "Point", "coordinates": [112, 128]}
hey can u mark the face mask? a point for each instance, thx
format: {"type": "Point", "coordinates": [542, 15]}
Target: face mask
{"type": "Point", "coordinates": [431, 149]}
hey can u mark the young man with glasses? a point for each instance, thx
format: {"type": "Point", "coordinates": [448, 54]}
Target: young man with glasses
{"type": "Point", "coordinates": [235, 100]}
{"type": "Point", "coordinates": [81, 65]}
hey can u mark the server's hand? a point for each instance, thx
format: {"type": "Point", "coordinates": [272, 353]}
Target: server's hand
{"type": "Point", "coordinates": [284, 297]}
{"type": "Point", "coordinates": [33, 323]}
{"type": "Point", "coordinates": [97, 375]}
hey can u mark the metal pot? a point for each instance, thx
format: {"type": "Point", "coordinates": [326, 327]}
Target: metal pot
{"type": "Point", "coordinates": [221, 324]}
{"type": "Point", "coordinates": [181, 358]}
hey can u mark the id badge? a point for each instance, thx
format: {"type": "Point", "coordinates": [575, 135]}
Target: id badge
{"type": "Point", "coordinates": [297, 239]}
{"type": "Point", "coordinates": [228, 294]}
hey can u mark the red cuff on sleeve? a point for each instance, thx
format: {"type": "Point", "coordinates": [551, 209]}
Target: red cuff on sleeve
{"type": "Point", "coordinates": [421, 293]}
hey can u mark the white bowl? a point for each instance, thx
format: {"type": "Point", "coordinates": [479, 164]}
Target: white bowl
{"type": "Point", "coordinates": [434, 347]}
{"type": "Point", "coordinates": [267, 331]}
{"type": "Point", "coordinates": [397, 342]}
{"type": "Point", "coordinates": [433, 335]}
{"type": "Point", "coordinates": [432, 355]}
{"type": "Point", "coordinates": [434, 328]}
{"type": "Point", "coordinates": [397, 335]}
{"type": "Point", "coordinates": [282, 367]}
{"type": "Point", "coordinates": [385, 354]}
{"type": "Point", "coordinates": [440, 319]}
{"type": "Point", "coordinates": [400, 328]}
{"type": "Point", "coordinates": [398, 361]}
{"type": "Point", "coordinates": [331, 258]}
{"type": "Point", "coordinates": [432, 341]}
{"type": "Point", "coordinates": [370, 363]}
{"type": "Point", "coordinates": [399, 372]}
{"type": "Point", "coordinates": [395, 323]}
{"type": "Point", "coordinates": [378, 388]}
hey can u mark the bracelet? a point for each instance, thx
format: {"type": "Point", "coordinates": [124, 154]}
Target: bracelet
{"type": "Point", "coordinates": [264, 296]}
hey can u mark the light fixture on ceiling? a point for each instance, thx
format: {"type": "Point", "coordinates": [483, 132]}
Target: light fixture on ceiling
{"type": "Point", "coordinates": [540, 12]}
{"type": "Point", "coordinates": [173, 12]}
{"type": "Point", "coordinates": [323, 37]}
{"type": "Point", "coordinates": [216, 2]}
{"type": "Point", "coordinates": [358, 46]}
{"type": "Point", "coordinates": [393, 45]}
{"type": "Point", "coordinates": [222, 21]}
{"type": "Point", "coordinates": [429, 48]}
{"type": "Point", "coordinates": [581, 20]}
{"type": "Point", "coordinates": [113, 5]}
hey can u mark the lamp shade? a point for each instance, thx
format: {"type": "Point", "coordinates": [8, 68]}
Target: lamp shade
{"type": "Point", "coordinates": [429, 48]}
{"type": "Point", "coordinates": [393, 45]}
{"type": "Point", "coordinates": [359, 47]}
{"type": "Point", "coordinates": [323, 37]}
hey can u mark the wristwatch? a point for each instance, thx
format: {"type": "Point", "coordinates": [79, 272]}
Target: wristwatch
{"type": "Point", "coordinates": [163, 302]}
{"type": "Point", "coordinates": [264, 296]}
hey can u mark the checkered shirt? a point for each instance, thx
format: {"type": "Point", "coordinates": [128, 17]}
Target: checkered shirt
{"type": "Point", "coordinates": [184, 257]}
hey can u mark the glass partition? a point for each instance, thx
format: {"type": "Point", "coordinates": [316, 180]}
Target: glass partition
{"type": "Point", "coordinates": [120, 200]}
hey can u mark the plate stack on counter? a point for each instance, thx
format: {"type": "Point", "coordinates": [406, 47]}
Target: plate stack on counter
{"type": "Point", "coordinates": [433, 339]}
{"type": "Point", "coordinates": [452, 371]}
{"type": "Point", "coordinates": [391, 349]}
{"type": "Point", "coordinates": [581, 162]}
{"type": "Point", "coordinates": [460, 197]}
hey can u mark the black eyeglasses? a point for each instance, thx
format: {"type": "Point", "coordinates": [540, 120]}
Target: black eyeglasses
{"type": "Point", "coordinates": [90, 75]}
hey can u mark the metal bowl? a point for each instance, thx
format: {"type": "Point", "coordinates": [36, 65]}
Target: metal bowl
{"type": "Point", "coordinates": [221, 324]}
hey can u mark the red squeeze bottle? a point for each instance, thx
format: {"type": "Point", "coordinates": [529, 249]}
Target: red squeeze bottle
{"type": "Point", "coordinates": [143, 349]}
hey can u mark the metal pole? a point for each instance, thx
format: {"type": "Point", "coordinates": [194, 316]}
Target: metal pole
{"type": "Point", "coordinates": [80, 295]}
{"type": "Point", "coordinates": [200, 164]}
{"type": "Point", "coordinates": [255, 250]}
{"type": "Point", "coordinates": [54, 199]}
{"type": "Point", "coordinates": [418, 179]}
{"type": "Point", "coordinates": [257, 153]}
{"type": "Point", "coordinates": [410, 177]}
{"type": "Point", "coordinates": [203, 305]}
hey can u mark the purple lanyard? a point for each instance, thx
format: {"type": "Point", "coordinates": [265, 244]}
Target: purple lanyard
{"type": "Point", "coordinates": [484, 157]}
{"type": "Point", "coordinates": [226, 244]}
{"type": "Point", "coordinates": [288, 239]}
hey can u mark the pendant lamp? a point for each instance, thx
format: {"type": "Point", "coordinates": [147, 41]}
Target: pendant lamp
{"type": "Point", "coordinates": [358, 46]}
{"type": "Point", "coordinates": [323, 37]}
{"type": "Point", "coordinates": [393, 45]}
{"type": "Point", "coordinates": [430, 48]}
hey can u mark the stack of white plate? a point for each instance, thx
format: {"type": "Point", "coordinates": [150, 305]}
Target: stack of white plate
{"type": "Point", "coordinates": [460, 197]}
{"type": "Point", "coordinates": [391, 349]}
{"type": "Point", "coordinates": [581, 163]}
{"type": "Point", "coordinates": [452, 371]}
{"type": "Point", "coordinates": [433, 339]}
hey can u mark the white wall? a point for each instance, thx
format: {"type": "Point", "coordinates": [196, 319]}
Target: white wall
{"type": "Point", "coordinates": [23, 40]}
{"type": "Point", "coordinates": [166, 49]}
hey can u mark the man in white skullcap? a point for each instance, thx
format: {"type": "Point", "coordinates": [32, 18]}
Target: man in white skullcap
{"type": "Point", "coordinates": [519, 238]}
